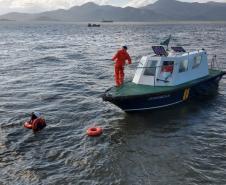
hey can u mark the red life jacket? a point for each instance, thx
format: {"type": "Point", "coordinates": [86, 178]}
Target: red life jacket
{"type": "Point", "coordinates": [38, 124]}
{"type": "Point", "coordinates": [168, 68]}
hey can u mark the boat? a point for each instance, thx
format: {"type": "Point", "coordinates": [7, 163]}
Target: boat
{"type": "Point", "coordinates": [107, 21]}
{"type": "Point", "coordinates": [93, 25]}
{"type": "Point", "coordinates": [166, 78]}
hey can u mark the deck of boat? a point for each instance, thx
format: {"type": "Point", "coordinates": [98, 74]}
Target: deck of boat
{"type": "Point", "coordinates": [132, 89]}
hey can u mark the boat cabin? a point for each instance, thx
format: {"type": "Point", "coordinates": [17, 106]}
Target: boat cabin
{"type": "Point", "coordinates": [171, 68]}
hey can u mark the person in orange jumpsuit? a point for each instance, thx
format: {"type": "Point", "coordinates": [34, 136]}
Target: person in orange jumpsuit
{"type": "Point", "coordinates": [120, 59]}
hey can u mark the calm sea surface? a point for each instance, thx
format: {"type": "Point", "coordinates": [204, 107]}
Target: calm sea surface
{"type": "Point", "coordinates": [62, 69]}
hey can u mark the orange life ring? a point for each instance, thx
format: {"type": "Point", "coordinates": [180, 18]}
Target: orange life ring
{"type": "Point", "coordinates": [28, 125]}
{"type": "Point", "coordinates": [95, 131]}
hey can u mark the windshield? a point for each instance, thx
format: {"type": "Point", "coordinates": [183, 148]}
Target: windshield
{"type": "Point", "coordinates": [150, 68]}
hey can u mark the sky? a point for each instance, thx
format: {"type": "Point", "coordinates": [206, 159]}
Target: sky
{"type": "Point", "coordinates": [34, 6]}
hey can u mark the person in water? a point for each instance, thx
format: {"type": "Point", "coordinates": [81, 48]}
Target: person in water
{"type": "Point", "coordinates": [120, 59]}
{"type": "Point", "coordinates": [38, 123]}
{"type": "Point", "coordinates": [34, 115]}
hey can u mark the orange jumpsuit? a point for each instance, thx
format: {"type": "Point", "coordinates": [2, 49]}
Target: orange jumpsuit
{"type": "Point", "coordinates": [120, 59]}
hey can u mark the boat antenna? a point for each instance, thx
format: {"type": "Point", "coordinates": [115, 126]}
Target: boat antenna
{"type": "Point", "coordinates": [166, 42]}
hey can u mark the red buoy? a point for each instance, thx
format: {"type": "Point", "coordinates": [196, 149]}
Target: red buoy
{"type": "Point", "coordinates": [94, 131]}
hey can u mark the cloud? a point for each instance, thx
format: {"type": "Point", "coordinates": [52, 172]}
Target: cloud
{"type": "Point", "coordinates": [140, 3]}
{"type": "Point", "coordinates": [204, 1]}
{"type": "Point", "coordinates": [33, 6]}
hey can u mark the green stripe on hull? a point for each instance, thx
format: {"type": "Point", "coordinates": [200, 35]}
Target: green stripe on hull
{"type": "Point", "coordinates": [132, 89]}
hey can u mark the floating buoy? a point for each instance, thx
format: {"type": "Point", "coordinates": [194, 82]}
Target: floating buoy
{"type": "Point", "coordinates": [94, 131]}
{"type": "Point", "coordinates": [28, 125]}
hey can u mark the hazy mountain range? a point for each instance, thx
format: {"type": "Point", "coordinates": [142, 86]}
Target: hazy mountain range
{"type": "Point", "coordinates": [162, 10]}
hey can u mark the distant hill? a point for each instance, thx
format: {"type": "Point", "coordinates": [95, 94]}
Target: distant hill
{"type": "Point", "coordinates": [162, 10]}
{"type": "Point", "coordinates": [176, 10]}
{"type": "Point", "coordinates": [17, 16]}
{"type": "Point", "coordinates": [90, 12]}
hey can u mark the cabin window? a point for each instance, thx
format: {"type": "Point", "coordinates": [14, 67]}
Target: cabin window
{"type": "Point", "coordinates": [167, 66]}
{"type": "Point", "coordinates": [150, 68]}
{"type": "Point", "coordinates": [197, 61]}
{"type": "Point", "coordinates": [183, 66]}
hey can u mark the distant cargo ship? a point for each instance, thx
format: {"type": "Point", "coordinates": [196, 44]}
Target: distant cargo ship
{"type": "Point", "coordinates": [107, 20]}
{"type": "Point", "coordinates": [6, 20]}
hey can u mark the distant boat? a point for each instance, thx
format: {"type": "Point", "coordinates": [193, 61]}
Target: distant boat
{"type": "Point", "coordinates": [107, 21]}
{"type": "Point", "coordinates": [93, 25]}
{"type": "Point", "coordinates": [6, 20]}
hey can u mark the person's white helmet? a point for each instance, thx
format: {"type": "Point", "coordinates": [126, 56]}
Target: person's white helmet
{"type": "Point", "coordinates": [37, 114]}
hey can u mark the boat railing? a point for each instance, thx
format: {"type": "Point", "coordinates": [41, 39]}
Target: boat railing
{"type": "Point", "coordinates": [215, 64]}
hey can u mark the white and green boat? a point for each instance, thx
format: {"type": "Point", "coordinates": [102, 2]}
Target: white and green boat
{"type": "Point", "coordinates": [165, 79]}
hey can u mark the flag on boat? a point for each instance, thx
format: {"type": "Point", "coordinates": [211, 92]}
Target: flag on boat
{"type": "Point", "coordinates": [166, 42]}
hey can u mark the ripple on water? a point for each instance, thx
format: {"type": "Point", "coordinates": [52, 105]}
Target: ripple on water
{"type": "Point", "coordinates": [61, 70]}
{"type": "Point", "coordinates": [49, 47]}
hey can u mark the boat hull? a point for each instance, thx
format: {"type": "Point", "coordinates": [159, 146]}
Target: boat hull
{"type": "Point", "coordinates": [165, 99]}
